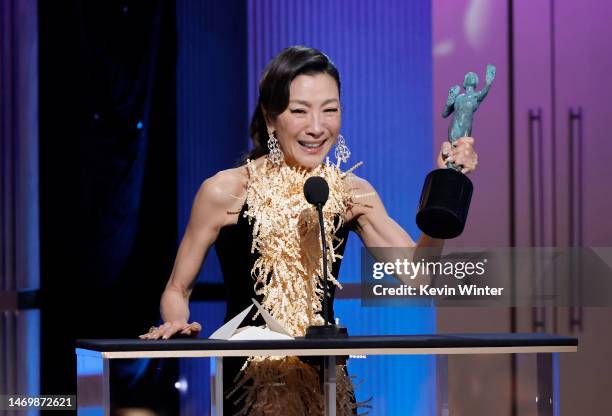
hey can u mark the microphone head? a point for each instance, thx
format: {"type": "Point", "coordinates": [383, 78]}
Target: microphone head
{"type": "Point", "coordinates": [316, 190]}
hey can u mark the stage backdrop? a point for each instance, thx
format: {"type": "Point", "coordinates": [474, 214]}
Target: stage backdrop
{"type": "Point", "coordinates": [383, 52]}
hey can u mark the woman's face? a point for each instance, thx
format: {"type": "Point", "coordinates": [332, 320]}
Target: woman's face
{"type": "Point", "coordinates": [309, 126]}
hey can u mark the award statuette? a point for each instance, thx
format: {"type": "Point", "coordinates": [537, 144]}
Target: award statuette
{"type": "Point", "coordinates": [447, 193]}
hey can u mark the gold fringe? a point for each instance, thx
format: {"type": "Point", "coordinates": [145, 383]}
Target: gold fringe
{"type": "Point", "coordinates": [365, 195]}
{"type": "Point", "coordinates": [355, 166]}
{"type": "Point", "coordinates": [287, 386]}
{"type": "Point", "coordinates": [288, 274]}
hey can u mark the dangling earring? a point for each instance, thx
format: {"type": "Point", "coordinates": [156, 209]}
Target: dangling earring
{"type": "Point", "coordinates": [276, 154]}
{"type": "Point", "coordinates": [342, 151]}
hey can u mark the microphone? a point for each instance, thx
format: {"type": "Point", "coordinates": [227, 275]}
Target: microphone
{"type": "Point", "coordinates": [316, 191]}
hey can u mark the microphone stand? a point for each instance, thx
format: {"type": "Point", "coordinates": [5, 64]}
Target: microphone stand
{"type": "Point", "coordinates": [328, 330]}
{"type": "Point", "coordinates": [316, 192]}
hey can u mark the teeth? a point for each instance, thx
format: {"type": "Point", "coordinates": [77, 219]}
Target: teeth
{"type": "Point", "coordinates": [311, 145]}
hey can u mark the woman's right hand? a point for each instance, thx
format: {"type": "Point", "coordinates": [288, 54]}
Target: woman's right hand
{"type": "Point", "coordinates": [173, 329]}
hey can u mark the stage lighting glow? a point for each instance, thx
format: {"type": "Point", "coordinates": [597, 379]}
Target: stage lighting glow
{"type": "Point", "coordinates": [181, 385]}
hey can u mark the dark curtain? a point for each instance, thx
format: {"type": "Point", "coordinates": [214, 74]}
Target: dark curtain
{"type": "Point", "coordinates": [108, 178]}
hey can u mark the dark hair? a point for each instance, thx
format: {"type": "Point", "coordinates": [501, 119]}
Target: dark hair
{"type": "Point", "coordinates": [274, 88]}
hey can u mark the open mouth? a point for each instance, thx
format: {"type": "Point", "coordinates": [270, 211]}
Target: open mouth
{"type": "Point", "coordinates": [311, 145]}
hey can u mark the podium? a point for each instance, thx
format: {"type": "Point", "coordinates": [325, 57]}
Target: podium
{"type": "Point", "coordinates": [93, 386]}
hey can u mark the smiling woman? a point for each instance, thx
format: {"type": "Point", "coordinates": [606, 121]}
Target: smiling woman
{"type": "Point", "coordinates": [309, 126]}
{"type": "Point", "coordinates": [299, 106]}
{"type": "Point", "coordinates": [267, 235]}
{"type": "Point", "coordinates": [312, 120]}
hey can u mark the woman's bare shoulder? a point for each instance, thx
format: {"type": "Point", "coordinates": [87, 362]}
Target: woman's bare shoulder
{"type": "Point", "coordinates": [365, 199]}
{"type": "Point", "coordinates": [230, 180]}
{"type": "Point", "coordinates": [359, 184]}
{"type": "Point", "coordinates": [222, 193]}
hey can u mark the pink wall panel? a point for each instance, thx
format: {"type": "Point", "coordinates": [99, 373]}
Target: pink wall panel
{"type": "Point", "coordinates": [467, 35]}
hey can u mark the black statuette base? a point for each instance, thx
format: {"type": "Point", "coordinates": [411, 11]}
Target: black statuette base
{"type": "Point", "coordinates": [445, 201]}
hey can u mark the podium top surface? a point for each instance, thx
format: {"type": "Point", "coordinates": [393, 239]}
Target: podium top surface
{"type": "Point", "coordinates": [372, 345]}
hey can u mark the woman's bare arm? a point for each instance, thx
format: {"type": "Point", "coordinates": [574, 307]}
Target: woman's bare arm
{"type": "Point", "coordinates": [386, 240]}
{"type": "Point", "coordinates": [209, 213]}
{"type": "Point", "coordinates": [377, 229]}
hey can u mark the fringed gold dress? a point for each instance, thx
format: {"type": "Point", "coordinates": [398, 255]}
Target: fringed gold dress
{"type": "Point", "coordinates": [273, 254]}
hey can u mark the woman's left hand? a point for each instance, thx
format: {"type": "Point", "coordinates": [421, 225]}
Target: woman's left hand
{"type": "Point", "coordinates": [462, 154]}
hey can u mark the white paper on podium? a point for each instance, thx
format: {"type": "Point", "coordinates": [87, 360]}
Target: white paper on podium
{"type": "Point", "coordinates": [230, 330]}
{"type": "Point", "coordinates": [227, 330]}
{"type": "Point", "coordinates": [273, 324]}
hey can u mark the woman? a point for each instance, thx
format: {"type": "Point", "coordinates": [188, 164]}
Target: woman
{"type": "Point", "coordinates": [264, 230]}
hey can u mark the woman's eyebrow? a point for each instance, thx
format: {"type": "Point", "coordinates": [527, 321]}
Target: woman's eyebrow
{"type": "Point", "coordinates": [307, 104]}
